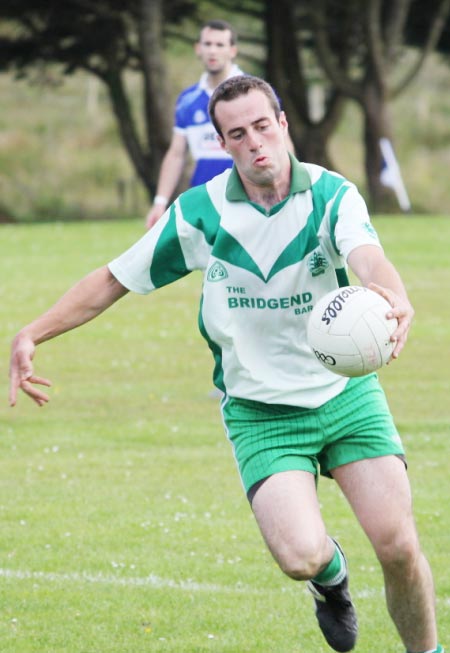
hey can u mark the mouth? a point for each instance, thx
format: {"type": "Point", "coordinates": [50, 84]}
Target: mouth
{"type": "Point", "coordinates": [260, 160]}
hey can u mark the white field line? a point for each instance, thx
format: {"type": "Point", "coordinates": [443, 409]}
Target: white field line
{"type": "Point", "coordinates": [124, 581]}
{"type": "Point", "coordinates": [156, 582]}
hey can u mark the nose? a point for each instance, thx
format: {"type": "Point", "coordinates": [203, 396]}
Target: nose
{"type": "Point", "coordinates": [253, 141]}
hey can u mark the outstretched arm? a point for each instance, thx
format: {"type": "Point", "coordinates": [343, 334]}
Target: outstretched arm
{"type": "Point", "coordinates": [84, 301]}
{"type": "Point", "coordinates": [376, 272]}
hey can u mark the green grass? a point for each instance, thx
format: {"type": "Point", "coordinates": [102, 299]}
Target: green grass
{"type": "Point", "coordinates": [61, 157]}
{"type": "Point", "coordinates": [124, 526]}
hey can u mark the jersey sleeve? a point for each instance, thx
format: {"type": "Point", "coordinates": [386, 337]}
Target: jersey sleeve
{"type": "Point", "coordinates": [153, 261]}
{"type": "Point", "coordinates": [183, 108]}
{"type": "Point", "coordinates": [350, 223]}
{"type": "Point", "coordinates": [169, 251]}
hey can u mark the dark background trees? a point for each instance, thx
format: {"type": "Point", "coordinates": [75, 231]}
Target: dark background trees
{"type": "Point", "coordinates": [317, 55]}
{"type": "Point", "coordinates": [106, 38]}
{"type": "Point", "coordinates": [354, 50]}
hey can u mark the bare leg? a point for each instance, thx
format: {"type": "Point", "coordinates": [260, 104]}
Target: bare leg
{"type": "Point", "coordinates": [288, 514]}
{"type": "Point", "coordinates": [379, 492]}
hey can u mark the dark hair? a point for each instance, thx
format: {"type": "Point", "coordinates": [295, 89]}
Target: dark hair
{"type": "Point", "coordinates": [234, 87]}
{"type": "Point", "coordinates": [222, 26]}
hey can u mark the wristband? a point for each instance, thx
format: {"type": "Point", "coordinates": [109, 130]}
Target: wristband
{"type": "Point", "coordinates": [160, 199]}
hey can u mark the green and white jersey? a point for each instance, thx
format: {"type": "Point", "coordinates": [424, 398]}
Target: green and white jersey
{"type": "Point", "coordinates": [263, 273]}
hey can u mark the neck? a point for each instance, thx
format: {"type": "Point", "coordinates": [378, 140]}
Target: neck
{"type": "Point", "coordinates": [215, 78]}
{"type": "Point", "coordinates": [271, 191]}
{"type": "Point", "coordinates": [268, 196]}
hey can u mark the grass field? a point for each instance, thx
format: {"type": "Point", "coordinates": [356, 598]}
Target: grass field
{"type": "Point", "coordinates": [124, 527]}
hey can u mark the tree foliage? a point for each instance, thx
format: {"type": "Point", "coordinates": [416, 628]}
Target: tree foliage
{"type": "Point", "coordinates": [106, 38]}
{"type": "Point", "coordinates": [375, 68]}
{"type": "Point", "coordinates": [418, 26]}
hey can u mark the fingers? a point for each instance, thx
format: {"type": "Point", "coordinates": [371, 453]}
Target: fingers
{"type": "Point", "coordinates": [14, 382]}
{"type": "Point", "coordinates": [402, 311]}
{"type": "Point", "coordinates": [154, 215]}
{"type": "Point", "coordinates": [152, 220]}
{"type": "Point", "coordinates": [399, 344]}
{"type": "Point", "coordinates": [37, 395]}
{"type": "Point", "coordinates": [27, 385]}
{"type": "Point", "coordinates": [384, 292]}
{"type": "Point", "coordinates": [21, 372]}
{"type": "Point", "coordinates": [400, 335]}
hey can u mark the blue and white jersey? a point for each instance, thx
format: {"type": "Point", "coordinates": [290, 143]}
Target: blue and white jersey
{"type": "Point", "coordinates": [192, 120]}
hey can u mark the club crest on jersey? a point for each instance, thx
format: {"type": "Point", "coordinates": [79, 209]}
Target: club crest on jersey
{"type": "Point", "coordinates": [370, 230]}
{"type": "Point", "coordinates": [317, 263]}
{"type": "Point", "coordinates": [199, 116]}
{"type": "Point", "coordinates": [217, 272]}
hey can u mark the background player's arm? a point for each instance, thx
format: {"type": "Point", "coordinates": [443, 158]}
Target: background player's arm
{"type": "Point", "coordinates": [169, 176]}
{"type": "Point", "coordinates": [84, 301]}
{"type": "Point", "coordinates": [376, 272]}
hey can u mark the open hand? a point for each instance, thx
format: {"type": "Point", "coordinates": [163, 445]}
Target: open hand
{"type": "Point", "coordinates": [21, 373]}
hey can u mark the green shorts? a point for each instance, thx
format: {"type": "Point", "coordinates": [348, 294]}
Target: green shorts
{"type": "Point", "coordinates": [271, 438]}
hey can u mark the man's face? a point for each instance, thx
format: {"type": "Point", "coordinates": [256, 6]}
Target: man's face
{"type": "Point", "coordinates": [214, 49]}
{"type": "Point", "coordinates": [254, 137]}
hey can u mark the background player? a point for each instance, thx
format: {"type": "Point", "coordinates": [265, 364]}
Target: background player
{"type": "Point", "coordinates": [193, 131]}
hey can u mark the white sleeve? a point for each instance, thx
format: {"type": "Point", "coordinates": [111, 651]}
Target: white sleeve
{"type": "Point", "coordinates": [353, 226]}
{"type": "Point", "coordinates": [132, 268]}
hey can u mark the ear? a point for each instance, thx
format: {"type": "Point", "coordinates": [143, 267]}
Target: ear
{"type": "Point", "coordinates": [222, 143]}
{"type": "Point", "coordinates": [283, 120]}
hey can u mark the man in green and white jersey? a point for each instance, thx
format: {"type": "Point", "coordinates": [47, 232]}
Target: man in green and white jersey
{"type": "Point", "coordinates": [272, 236]}
{"type": "Point", "coordinates": [264, 270]}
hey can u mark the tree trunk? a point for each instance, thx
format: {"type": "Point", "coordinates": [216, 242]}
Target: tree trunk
{"type": "Point", "coordinates": [313, 146]}
{"type": "Point", "coordinates": [127, 128]}
{"type": "Point", "coordinates": [284, 70]}
{"type": "Point", "coordinates": [377, 125]}
{"type": "Point", "coordinates": [158, 119]}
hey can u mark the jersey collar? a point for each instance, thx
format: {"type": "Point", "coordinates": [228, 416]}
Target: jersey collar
{"type": "Point", "coordinates": [300, 182]}
{"type": "Point", "coordinates": [203, 83]}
